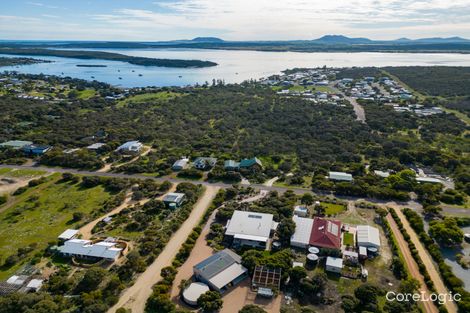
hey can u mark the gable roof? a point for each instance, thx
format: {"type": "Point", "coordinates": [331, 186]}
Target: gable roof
{"type": "Point", "coordinates": [367, 235]}
{"type": "Point", "coordinates": [217, 263]}
{"type": "Point", "coordinates": [250, 162]}
{"type": "Point", "coordinates": [326, 233]}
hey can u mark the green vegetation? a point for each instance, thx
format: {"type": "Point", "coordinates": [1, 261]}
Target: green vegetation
{"type": "Point", "coordinates": [19, 61]}
{"type": "Point", "coordinates": [348, 239]}
{"type": "Point", "coordinates": [39, 215]}
{"type": "Point", "coordinates": [332, 209]}
{"type": "Point", "coordinates": [23, 173]}
{"type": "Point", "coordinates": [149, 97]}
{"type": "Point", "coordinates": [107, 56]}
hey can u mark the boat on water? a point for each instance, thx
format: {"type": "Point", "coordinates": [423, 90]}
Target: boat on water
{"type": "Point", "coordinates": [93, 77]}
{"type": "Point", "coordinates": [180, 76]}
{"type": "Point", "coordinates": [140, 75]}
{"type": "Point", "coordinates": [120, 77]}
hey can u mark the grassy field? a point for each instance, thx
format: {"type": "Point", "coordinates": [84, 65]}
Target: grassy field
{"type": "Point", "coordinates": [23, 173]}
{"type": "Point", "coordinates": [305, 88]}
{"type": "Point", "coordinates": [348, 239]}
{"type": "Point", "coordinates": [145, 97]}
{"type": "Point", "coordinates": [86, 94]}
{"type": "Point", "coordinates": [40, 214]}
{"type": "Point", "coordinates": [333, 208]}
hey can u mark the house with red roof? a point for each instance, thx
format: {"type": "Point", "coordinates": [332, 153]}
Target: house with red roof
{"type": "Point", "coordinates": [326, 234]}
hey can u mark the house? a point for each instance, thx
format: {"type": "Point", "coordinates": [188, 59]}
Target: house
{"type": "Point", "coordinates": [367, 236]}
{"type": "Point", "coordinates": [131, 147]}
{"type": "Point", "coordinates": [326, 234]}
{"type": "Point", "coordinates": [180, 164]}
{"type": "Point", "coordinates": [15, 144]}
{"type": "Point", "coordinates": [174, 199]}
{"type": "Point", "coordinates": [88, 250]}
{"type": "Point", "coordinates": [203, 163]}
{"type": "Point", "coordinates": [428, 180]}
{"type": "Point", "coordinates": [253, 163]}
{"type": "Point", "coordinates": [96, 146]}
{"type": "Point", "coordinates": [382, 174]}
{"type": "Point", "coordinates": [68, 234]}
{"type": "Point", "coordinates": [334, 265]}
{"type": "Point", "coordinates": [340, 176]}
{"type": "Point", "coordinates": [250, 229]}
{"type": "Point", "coordinates": [231, 165]}
{"type": "Point", "coordinates": [36, 149]}
{"type": "Point", "coordinates": [265, 280]}
{"type": "Point", "coordinates": [221, 270]}
{"type": "Point", "coordinates": [303, 231]}
{"type": "Point", "coordinates": [34, 285]}
{"type": "Point", "coordinates": [301, 211]}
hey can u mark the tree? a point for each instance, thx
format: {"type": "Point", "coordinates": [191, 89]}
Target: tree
{"type": "Point", "coordinates": [251, 308]}
{"type": "Point", "coordinates": [296, 274]}
{"type": "Point", "coordinates": [211, 301]}
{"type": "Point", "coordinates": [307, 199]}
{"type": "Point", "coordinates": [285, 230]}
{"type": "Point", "coordinates": [92, 279]}
{"type": "Point", "coordinates": [446, 232]}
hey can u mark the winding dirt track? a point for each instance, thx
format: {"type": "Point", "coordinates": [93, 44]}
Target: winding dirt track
{"type": "Point", "coordinates": [427, 260]}
{"type": "Point", "coordinates": [429, 307]}
{"type": "Point", "coordinates": [135, 297]}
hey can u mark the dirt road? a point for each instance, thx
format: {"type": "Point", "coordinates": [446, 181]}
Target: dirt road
{"type": "Point", "coordinates": [135, 297]}
{"type": "Point", "coordinates": [358, 109]}
{"type": "Point", "coordinates": [410, 263]}
{"type": "Point", "coordinates": [85, 231]}
{"type": "Point", "coordinates": [432, 271]}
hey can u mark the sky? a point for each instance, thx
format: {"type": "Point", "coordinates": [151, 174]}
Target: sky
{"type": "Point", "coordinates": [154, 20]}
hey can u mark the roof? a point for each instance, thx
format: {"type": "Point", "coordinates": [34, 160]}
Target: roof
{"type": "Point", "coordinates": [173, 197]}
{"type": "Point", "coordinates": [82, 247]}
{"type": "Point", "coordinates": [228, 275]}
{"type": "Point", "coordinates": [206, 160]}
{"type": "Point", "coordinates": [194, 291]}
{"type": "Point", "coordinates": [383, 174]}
{"type": "Point", "coordinates": [68, 234]}
{"type": "Point", "coordinates": [251, 224]}
{"type": "Point", "coordinates": [367, 235]}
{"type": "Point", "coordinates": [303, 230]}
{"type": "Point", "coordinates": [35, 284]}
{"type": "Point", "coordinates": [231, 163]}
{"type": "Point", "coordinates": [130, 146]}
{"type": "Point", "coordinates": [96, 146]}
{"type": "Point", "coordinates": [340, 176]}
{"type": "Point", "coordinates": [334, 262]}
{"type": "Point", "coordinates": [326, 234]}
{"type": "Point", "coordinates": [15, 144]}
{"type": "Point", "coordinates": [221, 268]}
{"type": "Point", "coordinates": [250, 162]}
{"type": "Point", "coordinates": [430, 180]}
{"type": "Point", "coordinates": [299, 208]}
{"type": "Point", "coordinates": [181, 162]}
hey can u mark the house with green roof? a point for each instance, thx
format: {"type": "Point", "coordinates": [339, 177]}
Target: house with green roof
{"type": "Point", "coordinates": [251, 163]}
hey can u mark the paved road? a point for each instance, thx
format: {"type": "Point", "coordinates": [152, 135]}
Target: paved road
{"type": "Point", "coordinates": [296, 190]}
{"type": "Point", "coordinates": [158, 179]}
{"type": "Point", "coordinates": [135, 297]}
{"type": "Point", "coordinates": [427, 261]}
{"type": "Point", "coordinates": [411, 264]}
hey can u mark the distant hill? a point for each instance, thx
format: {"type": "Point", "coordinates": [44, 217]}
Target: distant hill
{"type": "Point", "coordinates": [343, 40]}
{"type": "Point", "coordinates": [207, 39]}
{"type": "Point", "coordinates": [340, 39]}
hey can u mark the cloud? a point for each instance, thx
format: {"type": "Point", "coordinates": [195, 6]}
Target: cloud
{"type": "Point", "coordinates": [268, 19]}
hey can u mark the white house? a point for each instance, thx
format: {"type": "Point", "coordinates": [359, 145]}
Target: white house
{"type": "Point", "coordinates": [181, 164]}
{"type": "Point", "coordinates": [250, 228]}
{"type": "Point", "coordinates": [367, 236]}
{"type": "Point", "coordinates": [174, 199]}
{"type": "Point", "coordinates": [86, 249]}
{"type": "Point", "coordinates": [130, 147]}
{"type": "Point", "coordinates": [340, 176]}
{"type": "Point", "coordinates": [334, 265]}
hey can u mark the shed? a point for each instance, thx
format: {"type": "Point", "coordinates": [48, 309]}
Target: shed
{"type": "Point", "coordinates": [334, 265]}
{"type": "Point", "coordinates": [301, 211]}
{"type": "Point", "coordinates": [367, 236]}
{"type": "Point", "coordinates": [340, 176]}
{"type": "Point", "coordinates": [174, 199]}
{"type": "Point", "coordinates": [68, 234]}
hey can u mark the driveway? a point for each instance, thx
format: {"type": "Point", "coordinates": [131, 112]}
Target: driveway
{"type": "Point", "coordinates": [135, 297]}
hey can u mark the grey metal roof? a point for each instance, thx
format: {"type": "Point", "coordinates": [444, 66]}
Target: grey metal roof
{"type": "Point", "coordinates": [217, 263]}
